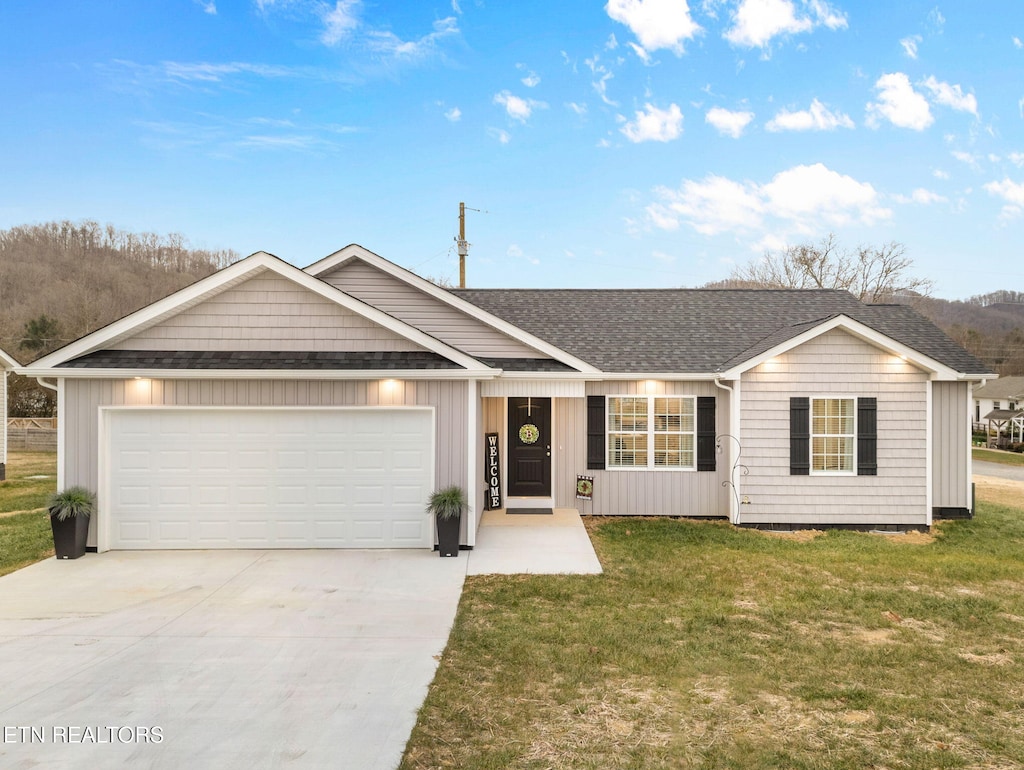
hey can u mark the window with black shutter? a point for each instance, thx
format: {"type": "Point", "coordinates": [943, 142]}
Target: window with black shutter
{"type": "Point", "coordinates": [705, 433]}
{"type": "Point", "coordinates": [595, 433]}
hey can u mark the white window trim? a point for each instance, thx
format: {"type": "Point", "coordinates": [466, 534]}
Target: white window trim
{"type": "Point", "coordinates": [650, 435]}
{"type": "Point", "coordinates": [833, 397]}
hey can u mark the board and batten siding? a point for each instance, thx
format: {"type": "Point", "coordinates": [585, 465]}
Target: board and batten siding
{"type": "Point", "coordinates": [268, 312]}
{"type": "Point", "coordinates": [835, 364]}
{"type": "Point", "coordinates": [951, 443]}
{"type": "Point", "coordinates": [453, 327]}
{"type": "Point", "coordinates": [626, 492]}
{"type": "Point", "coordinates": [83, 397]}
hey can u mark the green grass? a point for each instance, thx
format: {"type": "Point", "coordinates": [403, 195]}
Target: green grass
{"type": "Point", "coordinates": [703, 646]}
{"type": "Point", "coordinates": [1006, 458]}
{"type": "Point", "coordinates": [25, 537]}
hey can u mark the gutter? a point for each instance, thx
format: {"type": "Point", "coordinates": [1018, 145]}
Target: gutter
{"type": "Point", "coordinates": [734, 448]}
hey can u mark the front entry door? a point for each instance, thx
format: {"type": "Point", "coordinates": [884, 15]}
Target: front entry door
{"type": "Point", "coordinates": [529, 447]}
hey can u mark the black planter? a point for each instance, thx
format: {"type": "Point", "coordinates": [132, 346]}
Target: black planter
{"type": "Point", "coordinates": [69, 536]}
{"type": "Point", "coordinates": [448, 536]}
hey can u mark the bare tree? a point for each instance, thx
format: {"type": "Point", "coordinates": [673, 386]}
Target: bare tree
{"type": "Point", "coordinates": [872, 274]}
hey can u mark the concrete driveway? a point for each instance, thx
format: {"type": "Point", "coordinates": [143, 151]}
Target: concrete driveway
{"type": "Point", "coordinates": [999, 470]}
{"type": "Point", "coordinates": [227, 659]}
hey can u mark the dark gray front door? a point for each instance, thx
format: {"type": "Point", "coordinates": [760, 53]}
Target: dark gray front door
{"type": "Point", "coordinates": [529, 447]}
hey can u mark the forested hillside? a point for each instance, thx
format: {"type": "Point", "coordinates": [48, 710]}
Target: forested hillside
{"type": "Point", "coordinates": [61, 280]}
{"type": "Point", "coordinates": [991, 326]}
{"type": "Point", "coordinates": [84, 275]}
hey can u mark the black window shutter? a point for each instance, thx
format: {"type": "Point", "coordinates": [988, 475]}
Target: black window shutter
{"type": "Point", "coordinates": [595, 433]}
{"type": "Point", "coordinates": [799, 436]}
{"type": "Point", "coordinates": [867, 437]}
{"type": "Point", "coordinates": [705, 433]}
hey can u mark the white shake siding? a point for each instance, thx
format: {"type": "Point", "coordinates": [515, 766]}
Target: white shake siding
{"type": "Point", "coordinates": [451, 326]}
{"type": "Point", "coordinates": [643, 492]}
{"type": "Point", "coordinates": [84, 397]}
{"type": "Point", "coordinates": [951, 437]}
{"type": "Point", "coordinates": [268, 313]}
{"type": "Point", "coordinates": [835, 364]}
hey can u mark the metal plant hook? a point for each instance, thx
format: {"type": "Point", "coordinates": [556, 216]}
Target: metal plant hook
{"type": "Point", "coordinates": [736, 466]}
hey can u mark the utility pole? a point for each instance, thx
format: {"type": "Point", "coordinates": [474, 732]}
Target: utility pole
{"type": "Point", "coordinates": [463, 247]}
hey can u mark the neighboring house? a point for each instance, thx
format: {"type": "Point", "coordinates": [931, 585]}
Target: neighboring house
{"type": "Point", "coordinates": [1006, 393]}
{"type": "Point", "coordinates": [999, 410]}
{"type": "Point", "coordinates": [270, 407]}
{"type": "Point", "coordinates": [7, 364]}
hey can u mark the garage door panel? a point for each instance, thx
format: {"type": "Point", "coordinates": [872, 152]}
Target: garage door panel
{"type": "Point", "coordinates": [266, 478]}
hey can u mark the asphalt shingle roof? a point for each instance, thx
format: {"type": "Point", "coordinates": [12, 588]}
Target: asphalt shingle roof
{"type": "Point", "coordinates": [208, 359]}
{"type": "Point", "coordinates": [698, 330]}
{"type": "Point", "coordinates": [1004, 387]}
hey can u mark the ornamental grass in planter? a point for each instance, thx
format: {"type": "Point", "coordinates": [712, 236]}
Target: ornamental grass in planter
{"type": "Point", "coordinates": [69, 519]}
{"type": "Point", "coordinates": [446, 505]}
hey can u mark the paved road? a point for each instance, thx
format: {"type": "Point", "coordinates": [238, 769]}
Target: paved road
{"type": "Point", "coordinates": [1013, 472]}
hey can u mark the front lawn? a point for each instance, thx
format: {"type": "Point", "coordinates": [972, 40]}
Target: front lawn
{"type": "Point", "coordinates": [703, 646]}
{"type": "Point", "coordinates": [1006, 458]}
{"type": "Point", "coordinates": [24, 528]}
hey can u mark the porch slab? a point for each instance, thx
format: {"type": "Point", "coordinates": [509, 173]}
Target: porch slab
{"type": "Point", "coordinates": [533, 544]}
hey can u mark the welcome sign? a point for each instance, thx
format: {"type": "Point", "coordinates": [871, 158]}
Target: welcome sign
{"type": "Point", "coordinates": [492, 471]}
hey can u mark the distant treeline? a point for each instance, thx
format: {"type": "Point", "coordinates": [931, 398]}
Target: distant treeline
{"type": "Point", "coordinates": [85, 275]}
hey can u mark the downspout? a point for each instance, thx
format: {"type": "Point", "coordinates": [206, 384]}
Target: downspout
{"type": "Point", "coordinates": [734, 498]}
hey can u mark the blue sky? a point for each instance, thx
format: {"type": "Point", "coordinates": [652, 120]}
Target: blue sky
{"type": "Point", "coordinates": [631, 143]}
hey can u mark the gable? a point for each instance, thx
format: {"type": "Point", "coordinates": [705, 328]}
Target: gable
{"type": "Point", "coordinates": [407, 303]}
{"type": "Point", "coordinates": [267, 312]}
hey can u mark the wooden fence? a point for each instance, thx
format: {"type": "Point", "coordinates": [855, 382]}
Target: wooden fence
{"type": "Point", "coordinates": [34, 434]}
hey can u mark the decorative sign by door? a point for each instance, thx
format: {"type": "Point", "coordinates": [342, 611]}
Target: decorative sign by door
{"type": "Point", "coordinates": [584, 487]}
{"type": "Point", "coordinates": [492, 471]}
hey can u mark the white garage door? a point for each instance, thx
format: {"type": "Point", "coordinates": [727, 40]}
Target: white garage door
{"type": "Point", "coordinates": [269, 478]}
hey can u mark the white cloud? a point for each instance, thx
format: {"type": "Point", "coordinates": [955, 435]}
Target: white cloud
{"type": "Point", "coordinates": [910, 45]}
{"type": "Point", "coordinates": [800, 199]}
{"type": "Point", "coordinates": [656, 23]}
{"type": "Point", "coordinates": [899, 103]}
{"type": "Point", "coordinates": [456, 7]}
{"type": "Point", "coordinates": [641, 54]}
{"type": "Point", "coordinates": [578, 108]}
{"type": "Point", "coordinates": [712, 206]}
{"type": "Point", "coordinates": [208, 6]}
{"type": "Point", "coordinates": [727, 122]}
{"type": "Point", "coordinates": [756, 22]}
{"type": "Point", "coordinates": [922, 196]}
{"type": "Point", "coordinates": [1010, 191]}
{"type": "Point", "coordinates": [602, 75]}
{"type": "Point", "coordinates": [654, 125]}
{"type": "Point", "coordinates": [502, 136]}
{"type": "Point", "coordinates": [966, 157]}
{"type": "Point", "coordinates": [940, 174]}
{"type": "Point", "coordinates": [1017, 159]}
{"type": "Point", "coordinates": [387, 42]}
{"type": "Point", "coordinates": [817, 118]}
{"type": "Point", "coordinates": [1017, 42]}
{"type": "Point", "coordinates": [454, 114]}
{"type": "Point", "coordinates": [518, 108]}
{"type": "Point", "coordinates": [339, 21]}
{"type": "Point", "coordinates": [531, 79]}
{"type": "Point", "coordinates": [951, 96]}
{"type": "Point", "coordinates": [515, 252]}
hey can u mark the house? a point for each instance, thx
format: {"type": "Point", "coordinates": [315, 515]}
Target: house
{"type": "Point", "coordinates": [999, 407]}
{"type": "Point", "coordinates": [1005, 393]}
{"type": "Point", "coordinates": [271, 407]}
{"type": "Point", "coordinates": [7, 364]}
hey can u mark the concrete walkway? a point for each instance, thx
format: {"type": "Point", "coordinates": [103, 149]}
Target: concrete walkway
{"type": "Point", "coordinates": [535, 544]}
